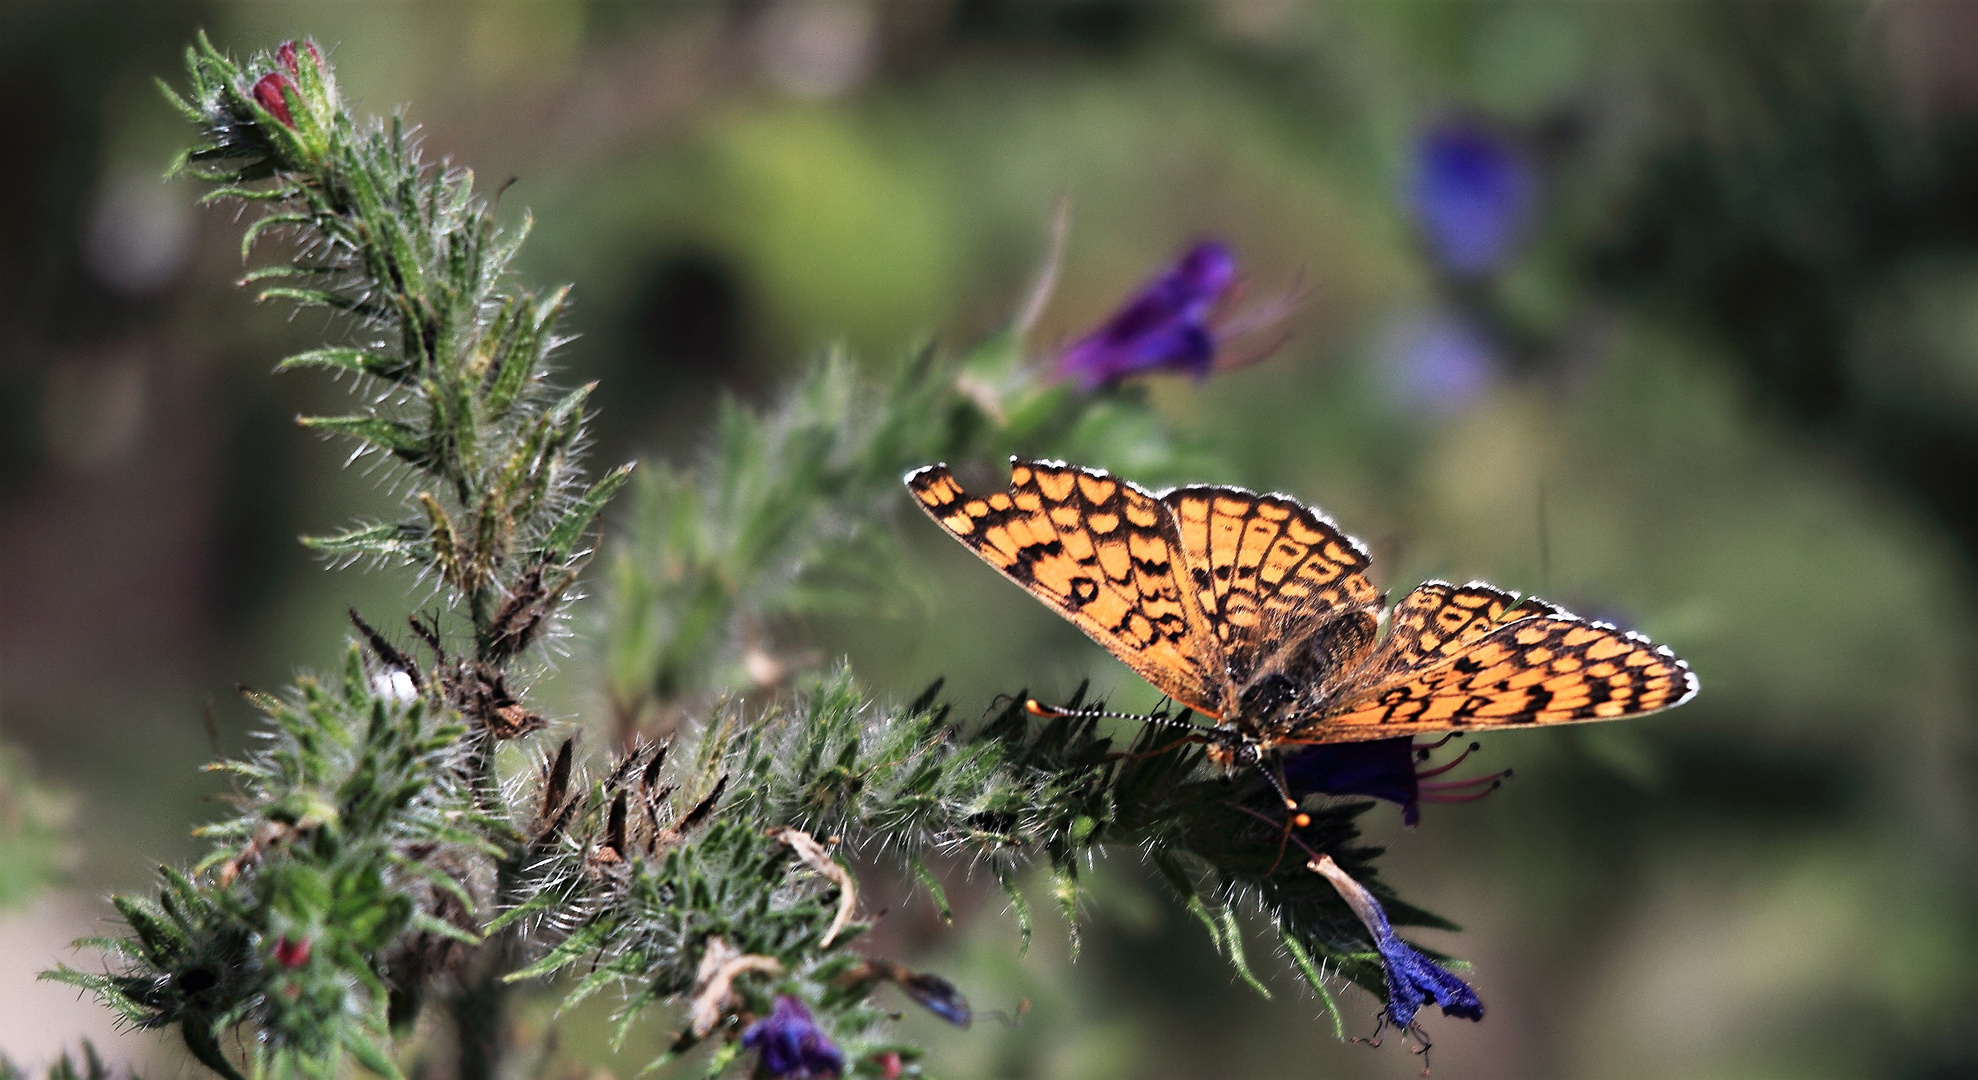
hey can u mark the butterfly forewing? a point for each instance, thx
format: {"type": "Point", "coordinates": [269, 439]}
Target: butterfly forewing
{"type": "Point", "coordinates": [1545, 668]}
{"type": "Point", "coordinates": [1265, 569]}
{"type": "Point", "coordinates": [1101, 551]}
{"type": "Point", "coordinates": [1256, 611]}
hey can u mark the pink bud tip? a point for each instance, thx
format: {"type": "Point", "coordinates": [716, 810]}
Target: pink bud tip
{"type": "Point", "coordinates": [286, 54]}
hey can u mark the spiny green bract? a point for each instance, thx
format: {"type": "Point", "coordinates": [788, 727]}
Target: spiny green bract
{"type": "Point", "coordinates": [633, 875]}
{"type": "Point", "coordinates": [779, 520]}
{"type": "Point", "coordinates": [350, 864]}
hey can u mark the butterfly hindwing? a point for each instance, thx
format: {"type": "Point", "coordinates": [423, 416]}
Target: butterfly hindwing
{"type": "Point", "coordinates": [1265, 569]}
{"type": "Point", "coordinates": [1438, 620]}
{"type": "Point", "coordinates": [1102, 552]}
{"type": "Point", "coordinates": [1547, 667]}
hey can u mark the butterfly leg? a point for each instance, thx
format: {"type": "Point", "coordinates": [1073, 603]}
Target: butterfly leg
{"type": "Point", "coordinates": [1295, 821]}
{"type": "Point", "coordinates": [1298, 819]}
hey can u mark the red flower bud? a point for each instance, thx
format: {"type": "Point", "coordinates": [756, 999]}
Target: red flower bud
{"type": "Point", "coordinates": [268, 90]}
{"type": "Point", "coordinates": [889, 1065]}
{"type": "Point", "coordinates": [291, 953]}
{"type": "Point", "coordinates": [287, 56]}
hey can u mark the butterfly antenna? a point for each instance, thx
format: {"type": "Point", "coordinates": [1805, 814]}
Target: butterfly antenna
{"type": "Point", "coordinates": [1275, 773]}
{"type": "Point", "coordinates": [1048, 712]}
{"type": "Point", "coordinates": [1298, 819]}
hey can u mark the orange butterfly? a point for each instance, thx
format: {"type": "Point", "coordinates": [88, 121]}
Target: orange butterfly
{"type": "Point", "coordinates": [1255, 611]}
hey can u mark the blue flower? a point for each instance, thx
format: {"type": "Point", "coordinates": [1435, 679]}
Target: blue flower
{"type": "Point", "coordinates": [938, 996]}
{"type": "Point", "coordinates": [1392, 769]}
{"type": "Point", "coordinates": [1471, 193]}
{"type": "Point", "coordinates": [1381, 768]}
{"type": "Point", "coordinates": [791, 1045]}
{"type": "Point", "coordinates": [1413, 980]}
{"type": "Point", "coordinates": [1438, 362]}
{"type": "Point", "coordinates": [1164, 327]}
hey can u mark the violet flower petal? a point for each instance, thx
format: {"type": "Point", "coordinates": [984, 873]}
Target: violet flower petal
{"type": "Point", "coordinates": [790, 1044]}
{"type": "Point", "coordinates": [940, 997]}
{"type": "Point", "coordinates": [1413, 980]}
{"type": "Point", "coordinates": [1164, 327]}
{"type": "Point", "coordinates": [1438, 362]}
{"type": "Point", "coordinates": [1471, 192]}
{"type": "Point", "coordinates": [1378, 768]}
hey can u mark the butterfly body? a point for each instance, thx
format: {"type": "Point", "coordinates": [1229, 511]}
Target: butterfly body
{"type": "Point", "coordinates": [1256, 611]}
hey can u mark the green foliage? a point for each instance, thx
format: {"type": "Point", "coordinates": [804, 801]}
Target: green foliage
{"type": "Point", "coordinates": [357, 832]}
{"type": "Point", "coordinates": [64, 1068]}
{"type": "Point", "coordinates": [785, 513]}
{"type": "Point", "coordinates": [30, 821]}
{"type": "Point", "coordinates": [372, 839]}
{"type": "Point", "coordinates": [454, 352]}
{"type": "Point", "coordinates": [633, 876]}
{"type": "Point", "coordinates": [779, 520]}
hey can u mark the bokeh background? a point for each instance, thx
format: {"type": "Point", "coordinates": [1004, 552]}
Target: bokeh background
{"type": "Point", "coordinates": [1715, 376]}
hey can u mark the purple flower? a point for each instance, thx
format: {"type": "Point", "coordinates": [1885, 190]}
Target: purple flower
{"type": "Point", "coordinates": [1392, 769]}
{"type": "Point", "coordinates": [1413, 980]}
{"type": "Point", "coordinates": [938, 996]}
{"type": "Point", "coordinates": [1164, 327]}
{"type": "Point", "coordinates": [1471, 193]}
{"type": "Point", "coordinates": [1438, 363]}
{"type": "Point", "coordinates": [790, 1044]}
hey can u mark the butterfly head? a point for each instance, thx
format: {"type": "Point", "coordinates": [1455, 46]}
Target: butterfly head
{"type": "Point", "coordinates": [1232, 749]}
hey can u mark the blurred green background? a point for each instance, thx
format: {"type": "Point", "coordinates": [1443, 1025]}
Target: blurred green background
{"type": "Point", "coordinates": [1725, 390]}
